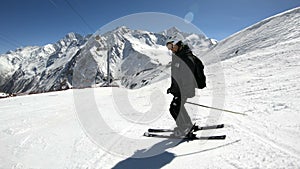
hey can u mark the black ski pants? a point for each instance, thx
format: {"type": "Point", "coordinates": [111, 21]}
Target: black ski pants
{"type": "Point", "coordinates": [179, 112]}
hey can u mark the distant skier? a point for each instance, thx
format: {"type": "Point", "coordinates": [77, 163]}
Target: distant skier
{"type": "Point", "coordinates": [184, 80]}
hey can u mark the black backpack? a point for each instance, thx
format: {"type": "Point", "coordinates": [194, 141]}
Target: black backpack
{"type": "Point", "coordinates": [199, 73]}
{"type": "Point", "coordinates": [198, 67]}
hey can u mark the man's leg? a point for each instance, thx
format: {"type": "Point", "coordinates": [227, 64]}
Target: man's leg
{"type": "Point", "coordinates": [175, 107]}
{"type": "Point", "coordinates": [183, 119]}
{"type": "Point", "coordinates": [179, 113]}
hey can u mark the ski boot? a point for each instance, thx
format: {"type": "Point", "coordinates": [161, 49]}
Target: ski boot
{"type": "Point", "coordinates": [190, 134]}
{"type": "Point", "coordinates": [186, 132]}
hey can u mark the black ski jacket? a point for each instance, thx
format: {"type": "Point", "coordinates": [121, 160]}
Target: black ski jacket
{"type": "Point", "coordinates": [183, 81]}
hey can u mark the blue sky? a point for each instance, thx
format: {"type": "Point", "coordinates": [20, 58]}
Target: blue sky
{"type": "Point", "coordinates": [39, 22]}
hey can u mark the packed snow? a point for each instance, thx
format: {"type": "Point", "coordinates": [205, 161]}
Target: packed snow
{"type": "Point", "coordinates": [259, 77]}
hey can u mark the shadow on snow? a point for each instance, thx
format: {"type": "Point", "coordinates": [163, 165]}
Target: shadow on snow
{"type": "Point", "coordinates": [156, 161]}
{"type": "Point", "coordinates": [160, 160]}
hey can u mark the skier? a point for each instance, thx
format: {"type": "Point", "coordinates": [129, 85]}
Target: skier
{"type": "Point", "coordinates": [183, 84]}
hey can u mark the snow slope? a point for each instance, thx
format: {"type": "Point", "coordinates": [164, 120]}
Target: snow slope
{"type": "Point", "coordinates": [50, 130]}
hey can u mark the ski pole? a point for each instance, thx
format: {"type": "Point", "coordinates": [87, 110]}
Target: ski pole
{"type": "Point", "coordinates": [217, 108]}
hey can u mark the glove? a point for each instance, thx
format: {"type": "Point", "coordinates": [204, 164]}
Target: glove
{"type": "Point", "coordinates": [169, 91]}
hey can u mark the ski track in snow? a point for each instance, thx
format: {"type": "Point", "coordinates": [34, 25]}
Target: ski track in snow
{"type": "Point", "coordinates": [29, 122]}
{"type": "Point", "coordinates": [33, 124]}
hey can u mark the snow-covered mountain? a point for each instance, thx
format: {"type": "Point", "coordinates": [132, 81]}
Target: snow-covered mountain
{"type": "Point", "coordinates": [277, 30]}
{"type": "Point", "coordinates": [261, 68]}
{"type": "Point", "coordinates": [197, 42]}
{"type": "Point", "coordinates": [40, 69]}
{"type": "Point", "coordinates": [132, 53]}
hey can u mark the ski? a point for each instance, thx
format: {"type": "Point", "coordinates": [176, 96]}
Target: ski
{"type": "Point", "coordinates": [218, 126]}
{"type": "Point", "coordinates": [218, 137]}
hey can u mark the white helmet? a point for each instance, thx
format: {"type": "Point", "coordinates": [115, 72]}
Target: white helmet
{"type": "Point", "coordinates": [174, 38]}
